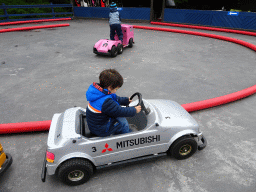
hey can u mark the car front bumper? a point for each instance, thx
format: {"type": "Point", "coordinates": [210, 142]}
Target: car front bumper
{"type": "Point", "coordinates": [101, 53]}
{"type": "Point", "coordinates": [203, 140]}
{"type": "Point", "coordinates": [6, 164]}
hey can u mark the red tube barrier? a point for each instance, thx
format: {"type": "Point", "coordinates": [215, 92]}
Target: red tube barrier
{"type": "Point", "coordinates": [33, 27]}
{"type": "Point", "coordinates": [25, 127]}
{"type": "Point", "coordinates": [33, 21]}
{"type": "Point", "coordinates": [206, 28]}
{"type": "Point", "coordinates": [199, 105]}
{"type": "Point", "coordinates": [246, 44]}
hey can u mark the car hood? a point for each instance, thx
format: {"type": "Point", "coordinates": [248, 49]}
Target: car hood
{"type": "Point", "coordinates": [104, 45]}
{"type": "Point", "coordinates": [172, 115]}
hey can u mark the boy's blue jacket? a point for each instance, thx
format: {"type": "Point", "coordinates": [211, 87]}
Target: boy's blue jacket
{"type": "Point", "coordinates": [114, 17]}
{"type": "Point", "coordinates": [103, 106]}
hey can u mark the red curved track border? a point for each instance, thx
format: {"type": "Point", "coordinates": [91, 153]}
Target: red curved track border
{"type": "Point", "coordinates": [195, 106]}
{"type": "Point", "coordinates": [206, 28]}
{"type": "Point", "coordinates": [33, 21]}
{"type": "Point", "coordinates": [33, 27]}
{"type": "Point", "coordinates": [25, 127]}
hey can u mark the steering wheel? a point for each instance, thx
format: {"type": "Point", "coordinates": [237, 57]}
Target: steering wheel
{"type": "Point", "coordinates": [140, 102]}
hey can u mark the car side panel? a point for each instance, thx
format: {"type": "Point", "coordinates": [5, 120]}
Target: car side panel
{"type": "Point", "coordinates": [2, 158]}
{"type": "Point", "coordinates": [51, 167]}
{"type": "Point", "coordinates": [180, 134]}
{"type": "Point", "coordinates": [2, 155]}
{"type": "Point", "coordinates": [126, 146]}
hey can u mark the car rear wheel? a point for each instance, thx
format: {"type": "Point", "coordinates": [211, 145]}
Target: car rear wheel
{"type": "Point", "coordinates": [75, 171]}
{"type": "Point", "coordinates": [130, 42]}
{"type": "Point", "coordinates": [114, 51]}
{"type": "Point", "coordinates": [183, 148]}
{"type": "Point", "coordinates": [120, 48]}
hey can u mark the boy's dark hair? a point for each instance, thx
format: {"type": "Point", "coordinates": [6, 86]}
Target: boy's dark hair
{"type": "Point", "coordinates": [110, 77]}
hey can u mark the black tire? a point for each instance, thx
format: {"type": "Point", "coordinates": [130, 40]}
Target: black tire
{"type": "Point", "coordinates": [94, 50]}
{"type": "Point", "coordinates": [114, 51]}
{"type": "Point", "coordinates": [75, 171]}
{"type": "Point", "coordinates": [183, 148]}
{"type": "Point", "coordinates": [120, 48]}
{"type": "Point", "coordinates": [130, 42]}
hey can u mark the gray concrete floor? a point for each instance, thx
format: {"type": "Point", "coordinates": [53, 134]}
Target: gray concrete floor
{"type": "Point", "coordinates": [46, 71]}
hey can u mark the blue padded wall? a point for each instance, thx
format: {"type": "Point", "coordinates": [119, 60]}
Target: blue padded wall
{"type": "Point", "coordinates": [241, 20]}
{"type": "Point", "coordinates": [103, 12]}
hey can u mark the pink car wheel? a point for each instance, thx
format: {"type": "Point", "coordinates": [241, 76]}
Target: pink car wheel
{"type": "Point", "coordinates": [120, 48]}
{"type": "Point", "coordinates": [130, 42]}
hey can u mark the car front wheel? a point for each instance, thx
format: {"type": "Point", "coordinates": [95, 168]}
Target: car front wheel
{"type": "Point", "coordinates": [120, 48]}
{"type": "Point", "coordinates": [114, 51]}
{"type": "Point", "coordinates": [183, 148]}
{"type": "Point", "coordinates": [75, 171]}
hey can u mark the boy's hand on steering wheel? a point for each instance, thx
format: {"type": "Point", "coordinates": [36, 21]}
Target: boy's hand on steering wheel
{"type": "Point", "coordinates": [138, 108]}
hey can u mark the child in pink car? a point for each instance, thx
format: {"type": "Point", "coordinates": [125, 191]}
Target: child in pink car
{"type": "Point", "coordinates": [115, 22]}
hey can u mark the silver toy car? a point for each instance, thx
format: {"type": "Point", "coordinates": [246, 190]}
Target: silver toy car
{"type": "Point", "coordinates": [162, 127]}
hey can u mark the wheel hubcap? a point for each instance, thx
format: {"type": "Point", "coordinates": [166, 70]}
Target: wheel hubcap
{"type": "Point", "coordinates": [185, 149]}
{"type": "Point", "coordinates": [75, 175]}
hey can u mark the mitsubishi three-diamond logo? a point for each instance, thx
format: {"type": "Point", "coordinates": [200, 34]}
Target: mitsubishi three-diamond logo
{"type": "Point", "coordinates": [106, 146]}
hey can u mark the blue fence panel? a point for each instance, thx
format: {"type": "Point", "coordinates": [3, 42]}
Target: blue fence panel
{"type": "Point", "coordinates": [135, 13]}
{"type": "Point", "coordinates": [199, 19]}
{"type": "Point", "coordinates": [92, 12]}
{"type": "Point", "coordinates": [223, 19]}
{"type": "Point", "coordinates": [242, 20]}
{"type": "Point", "coordinates": [34, 6]}
{"type": "Point", "coordinates": [103, 12]}
{"type": "Point", "coordinates": [6, 15]}
{"type": "Point", "coordinates": [249, 22]}
{"type": "Point", "coordinates": [174, 15]}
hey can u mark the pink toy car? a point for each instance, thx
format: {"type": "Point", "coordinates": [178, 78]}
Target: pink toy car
{"type": "Point", "coordinates": [114, 47]}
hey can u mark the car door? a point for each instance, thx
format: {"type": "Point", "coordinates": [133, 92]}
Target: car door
{"type": "Point", "coordinates": [127, 146]}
